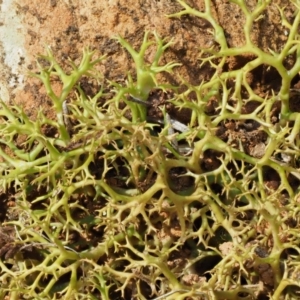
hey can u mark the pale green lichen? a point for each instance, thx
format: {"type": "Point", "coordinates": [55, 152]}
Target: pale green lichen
{"type": "Point", "coordinates": [148, 240]}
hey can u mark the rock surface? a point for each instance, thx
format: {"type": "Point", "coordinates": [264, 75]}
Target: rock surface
{"type": "Point", "coordinates": [68, 26]}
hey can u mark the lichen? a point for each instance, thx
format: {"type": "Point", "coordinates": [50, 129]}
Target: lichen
{"type": "Point", "coordinates": [110, 209]}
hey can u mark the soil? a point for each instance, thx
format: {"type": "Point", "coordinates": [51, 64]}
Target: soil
{"type": "Point", "coordinates": [70, 25]}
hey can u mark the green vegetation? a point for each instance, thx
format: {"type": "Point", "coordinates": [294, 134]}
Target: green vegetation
{"type": "Point", "coordinates": [110, 209]}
